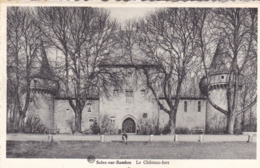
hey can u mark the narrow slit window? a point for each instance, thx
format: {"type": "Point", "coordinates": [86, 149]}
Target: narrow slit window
{"type": "Point", "coordinates": [89, 107]}
{"type": "Point", "coordinates": [143, 92]}
{"type": "Point", "coordinates": [115, 92]}
{"type": "Point", "coordinates": [199, 106]}
{"type": "Point", "coordinates": [185, 106]}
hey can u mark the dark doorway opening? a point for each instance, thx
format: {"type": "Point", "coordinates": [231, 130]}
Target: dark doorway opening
{"type": "Point", "coordinates": [129, 125]}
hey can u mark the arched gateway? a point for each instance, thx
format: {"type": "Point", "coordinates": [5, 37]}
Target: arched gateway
{"type": "Point", "coordinates": [129, 125]}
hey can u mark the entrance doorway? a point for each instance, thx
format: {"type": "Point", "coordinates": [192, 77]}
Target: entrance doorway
{"type": "Point", "coordinates": [129, 125]}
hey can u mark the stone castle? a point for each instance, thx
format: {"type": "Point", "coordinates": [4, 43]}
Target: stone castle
{"type": "Point", "coordinates": [126, 109]}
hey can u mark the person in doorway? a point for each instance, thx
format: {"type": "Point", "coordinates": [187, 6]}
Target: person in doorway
{"type": "Point", "coordinates": [124, 137]}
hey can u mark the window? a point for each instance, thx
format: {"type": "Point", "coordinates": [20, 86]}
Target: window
{"type": "Point", "coordinates": [129, 72]}
{"type": "Point", "coordinates": [115, 92]}
{"type": "Point", "coordinates": [185, 106]}
{"type": "Point", "coordinates": [35, 83]}
{"type": "Point", "coordinates": [199, 106]}
{"type": "Point", "coordinates": [129, 96]}
{"type": "Point", "coordinates": [89, 107]}
{"type": "Point", "coordinates": [144, 115]}
{"type": "Point", "coordinates": [129, 93]}
{"type": "Point", "coordinates": [222, 77]}
{"type": "Point", "coordinates": [91, 122]}
{"type": "Point", "coordinates": [143, 92]}
{"type": "Point", "coordinates": [112, 119]}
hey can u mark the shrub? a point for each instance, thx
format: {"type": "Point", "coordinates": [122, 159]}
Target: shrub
{"type": "Point", "coordinates": [148, 127]}
{"type": "Point", "coordinates": [33, 124]}
{"type": "Point", "coordinates": [182, 130]}
{"type": "Point", "coordinates": [95, 129]}
{"type": "Point", "coordinates": [216, 130]}
{"type": "Point", "coordinates": [166, 129]}
{"type": "Point", "coordinates": [105, 126]}
{"type": "Point", "coordinates": [87, 131]}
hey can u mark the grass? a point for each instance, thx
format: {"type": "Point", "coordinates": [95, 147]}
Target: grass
{"type": "Point", "coordinates": [132, 150]}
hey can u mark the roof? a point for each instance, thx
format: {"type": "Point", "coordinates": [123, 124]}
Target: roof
{"type": "Point", "coordinates": [221, 61]}
{"type": "Point", "coordinates": [138, 66]}
{"type": "Point", "coordinates": [67, 98]}
{"type": "Point", "coordinates": [42, 67]}
{"type": "Point", "coordinates": [187, 98]}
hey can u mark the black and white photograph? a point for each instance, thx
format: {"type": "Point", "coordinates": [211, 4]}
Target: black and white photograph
{"type": "Point", "coordinates": [131, 85]}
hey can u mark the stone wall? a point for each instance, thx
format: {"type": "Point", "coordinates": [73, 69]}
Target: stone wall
{"type": "Point", "coordinates": [216, 121]}
{"type": "Point", "coordinates": [65, 116]}
{"type": "Point", "coordinates": [42, 106]}
{"type": "Point", "coordinates": [190, 118]}
{"type": "Point", "coordinates": [138, 107]}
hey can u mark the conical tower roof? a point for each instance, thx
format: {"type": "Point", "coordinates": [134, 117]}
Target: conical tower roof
{"type": "Point", "coordinates": [221, 61]}
{"type": "Point", "coordinates": [41, 68]}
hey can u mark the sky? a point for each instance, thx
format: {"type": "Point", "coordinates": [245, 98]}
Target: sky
{"type": "Point", "coordinates": [124, 14]}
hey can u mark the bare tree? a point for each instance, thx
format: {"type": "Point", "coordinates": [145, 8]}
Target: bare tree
{"type": "Point", "coordinates": [86, 37]}
{"type": "Point", "coordinates": [168, 40]}
{"type": "Point", "coordinates": [236, 31]}
{"type": "Point", "coordinates": [23, 42]}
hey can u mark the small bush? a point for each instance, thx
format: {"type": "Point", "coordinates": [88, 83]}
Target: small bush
{"type": "Point", "coordinates": [166, 129]}
{"type": "Point", "coordinates": [95, 129]}
{"type": "Point", "coordinates": [145, 127]}
{"type": "Point", "coordinates": [87, 131]}
{"type": "Point", "coordinates": [216, 130]}
{"type": "Point", "coordinates": [107, 126]}
{"type": "Point", "coordinates": [33, 124]}
{"type": "Point", "coordinates": [157, 130]}
{"type": "Point", "coordinates": [182, 130]}
{"type": "Point", "coordinates": [148, 127]}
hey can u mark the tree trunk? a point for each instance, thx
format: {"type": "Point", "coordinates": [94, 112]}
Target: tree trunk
{"type": "Point", "coordinates": [78, 121]}
{"type": "Point", "coordinates": [172, 122]}
{"type": "Point", "coordinates": [243, 122]}
{"type": "Point", "coordinates": [78, 114]}
{"type": "Point", "coordinates": [230, 123]}
{"type": "Point", "coordinates": [21, 123]}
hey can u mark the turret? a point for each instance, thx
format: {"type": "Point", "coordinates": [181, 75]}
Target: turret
{"type": "Point", "coordinates": [43, 88]}
{"type": "Point", "coordinates": [219, 72]}
{"type": "Point", "coordinates": [215, 87]}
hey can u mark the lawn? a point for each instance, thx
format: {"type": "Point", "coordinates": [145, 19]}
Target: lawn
{"type": "Point", "coordinates": [132, 150]}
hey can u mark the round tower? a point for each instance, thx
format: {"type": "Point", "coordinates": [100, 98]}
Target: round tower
{"type": "Point", "coordinates": [43, 87]}
{"type": "Point", "coordinates": [215, 87]}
